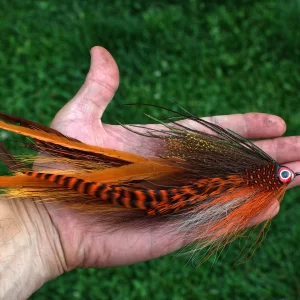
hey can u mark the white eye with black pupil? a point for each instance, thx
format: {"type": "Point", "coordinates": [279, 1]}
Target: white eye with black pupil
{"type": "Point", "coordinates": [285, 175]}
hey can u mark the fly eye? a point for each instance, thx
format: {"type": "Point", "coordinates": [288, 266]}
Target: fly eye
{"type": "Point", "coordinates": [285, 175]}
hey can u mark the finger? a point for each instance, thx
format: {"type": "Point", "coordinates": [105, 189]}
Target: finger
{"type": "Point", "coordinates": [296, 168]}
{"type": "Point", "coordinates": [283, 149]}
{"type": "Point", "coordinates": [286, 151]}
{"type": "Point", "coordinates": [250, 125]}
{"type": "Point", "coordinates": [98, 89]}
{"type": "Point", "coordinates": [271, 212]}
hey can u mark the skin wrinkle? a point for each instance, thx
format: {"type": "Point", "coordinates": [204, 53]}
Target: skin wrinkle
{"type": "Point", "coordinates": [62, 259]}
{"type": "Point", "coordinates": [98, 81]}
{"type": "Point", "coordinates": [50, 234]}
{"type": "Point", "coordinates": [151, 246]}
{"type": "Point", "coordinates": [214, 120]}
{"type": "Point", "coordinates": [93, 102]}
{"type": "Point", "coordinates": [78, 251]}
{"type": "Point", "coordinates": [244, 117]}
{"type": "Point", "coordinates": [81, 254]}
{"type": "Point", "coordinates": [88, 107]}
{"type": "Point", "coordinates": [112, 133]}
{"type": "Point", "coordinates": [246, 127]}
{"type": "Point", "coordinates": [276, 151]}
{"type": "Point", "coordinates": [107, 253]}
{"type": "Point", "coordinates": [126, 140]}
{"type": "Point", "coordinates": [24, 247]}
{"type": "Point", "coordinates": [90, 248]}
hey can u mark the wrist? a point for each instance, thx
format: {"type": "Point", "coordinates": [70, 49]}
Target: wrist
{"type": "Point", "coordinates": [29, 246]}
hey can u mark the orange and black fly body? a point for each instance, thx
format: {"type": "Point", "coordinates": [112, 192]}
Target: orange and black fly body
{"type": "Point", "coordinates": [211, 184]}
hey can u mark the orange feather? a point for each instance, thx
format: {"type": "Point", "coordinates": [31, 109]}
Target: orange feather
{"type": "Point", "coordinates": [213, 185]}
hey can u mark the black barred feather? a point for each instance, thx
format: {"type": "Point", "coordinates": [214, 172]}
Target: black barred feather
{"type": "Point", "coordinates": [211, 183]}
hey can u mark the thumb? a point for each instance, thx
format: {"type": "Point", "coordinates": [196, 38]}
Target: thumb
{"type": "Point", "coordinates": [95, 94]}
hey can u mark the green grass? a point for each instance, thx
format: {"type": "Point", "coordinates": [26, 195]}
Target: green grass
{"type": "Point", "coordinates": [212, 57]}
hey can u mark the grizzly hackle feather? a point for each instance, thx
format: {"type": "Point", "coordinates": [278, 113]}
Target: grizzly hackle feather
{"type": "Point", "coordinates": [210, 184]}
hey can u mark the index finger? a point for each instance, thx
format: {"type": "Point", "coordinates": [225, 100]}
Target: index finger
{"type": "Point", "coordinates": [249, 125]}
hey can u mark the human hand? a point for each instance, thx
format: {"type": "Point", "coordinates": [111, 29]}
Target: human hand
{"type": "Point", "coordinates": [67, 239]}
{"type": "Point", "coordinates": [84, 243]}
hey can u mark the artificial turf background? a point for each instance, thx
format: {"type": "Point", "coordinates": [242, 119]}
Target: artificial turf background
{"type": "Point", "coordinates": [212, 57]}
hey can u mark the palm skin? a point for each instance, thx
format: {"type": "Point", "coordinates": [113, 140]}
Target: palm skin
{"type": "Point", "coordinates": [85, 243]}
{"type": "Point", "coordinates": [50, 239]}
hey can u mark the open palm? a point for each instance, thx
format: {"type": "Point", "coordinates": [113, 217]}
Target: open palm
{"type": "Point", "coordinates": [84, 242]}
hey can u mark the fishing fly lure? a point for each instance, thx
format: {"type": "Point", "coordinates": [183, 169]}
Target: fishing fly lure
{"type": "Point", "coordinates": [211, 184]}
